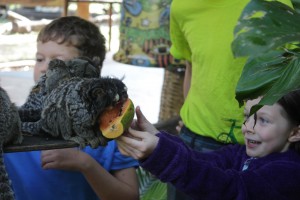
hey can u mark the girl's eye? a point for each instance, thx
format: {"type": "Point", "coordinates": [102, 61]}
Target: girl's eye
{"type": "Point", "coordinates": [246, 116]}
{"type": "Point", "coordinates": [263, 120]}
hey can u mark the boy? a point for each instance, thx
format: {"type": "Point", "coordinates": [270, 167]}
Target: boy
{"type": "Point", "coordinates": [87, 174]}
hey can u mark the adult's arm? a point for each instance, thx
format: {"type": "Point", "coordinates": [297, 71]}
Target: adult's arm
{"type": "Point", "coordinates": [187, 79]}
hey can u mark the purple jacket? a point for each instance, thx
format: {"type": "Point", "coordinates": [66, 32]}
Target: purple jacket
{"type": "Point", "coordinates": [218, 175]}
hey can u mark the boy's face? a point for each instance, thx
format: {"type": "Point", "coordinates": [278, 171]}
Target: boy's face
{"type": "Point", "coordinates": [51, 50]}
{"type": "Point", "coordinates": [269, 133]}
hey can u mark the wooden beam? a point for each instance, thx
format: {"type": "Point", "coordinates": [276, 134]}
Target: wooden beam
{"type": "Point", "coordinates": [83, 10]}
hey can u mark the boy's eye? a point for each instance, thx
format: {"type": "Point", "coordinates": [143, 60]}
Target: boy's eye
{"type": "Point", "coordinates": [38, 60]}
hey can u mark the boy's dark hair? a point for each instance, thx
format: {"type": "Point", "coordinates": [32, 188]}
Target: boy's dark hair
{"type": "Point", "coordinates": [291, 104]}
{"type": "Point", "coordinates": [78, 32]}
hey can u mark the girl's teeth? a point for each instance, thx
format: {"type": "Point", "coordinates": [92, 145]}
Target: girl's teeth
{"type": "Point", "coordinates": [253, 142]}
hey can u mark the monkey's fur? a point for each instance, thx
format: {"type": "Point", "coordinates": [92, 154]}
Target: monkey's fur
{"type": "Point", "coordinates": [10, 132]}
{"type": "Point", "coordinates": [72, 105]}
{"type": "Point", "coordinates": [73, 108]}
{"type": "Point", "coordinates": [31, 110]}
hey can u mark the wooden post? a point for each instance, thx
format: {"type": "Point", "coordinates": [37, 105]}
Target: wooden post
{"type": "Point", "coordinates": [83, 10]}
{"type": "Point", "coordinates": [65, 10]}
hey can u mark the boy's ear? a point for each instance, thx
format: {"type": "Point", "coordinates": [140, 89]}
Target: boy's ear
{"type": "Point", "coordinates": [295, 136]}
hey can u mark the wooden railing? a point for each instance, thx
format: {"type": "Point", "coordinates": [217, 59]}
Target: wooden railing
{"type": "Point", "coordinates": [34, 143]}
{"type": "Point", "coordinates": [33, 3]}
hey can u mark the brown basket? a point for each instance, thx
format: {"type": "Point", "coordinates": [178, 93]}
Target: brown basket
{"type": "Point", "coordinates": [172, 94]}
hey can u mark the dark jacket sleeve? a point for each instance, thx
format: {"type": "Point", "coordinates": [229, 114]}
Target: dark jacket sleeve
{"type": "Point", "coordinates": [215, 175]}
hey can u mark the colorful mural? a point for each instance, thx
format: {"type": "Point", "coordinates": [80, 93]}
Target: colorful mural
{"type": "Point", "coordinates": [144, 34]}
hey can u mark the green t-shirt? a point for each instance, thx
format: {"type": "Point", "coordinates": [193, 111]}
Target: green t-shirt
{"type": "Point", "coordinates": [201, 32]}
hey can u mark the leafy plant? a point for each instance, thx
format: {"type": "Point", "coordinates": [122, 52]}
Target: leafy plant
{"type": "Point", "coordinates": [151, 188]}
{"type": "Point", "coordinates": [296, 4]}
{"type": "Point", "coordinates": [268, 33]}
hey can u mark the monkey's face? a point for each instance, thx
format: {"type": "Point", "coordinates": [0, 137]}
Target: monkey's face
{"type": "Point", "coordinates": [57, 71]}
{"type": "Point", "coordinates": [121, 91]}
{"type": "Point", "coordinates": [105, 92]}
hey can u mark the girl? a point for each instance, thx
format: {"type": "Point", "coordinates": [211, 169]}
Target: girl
{"type": "Point", "coordinates": [266, 167]}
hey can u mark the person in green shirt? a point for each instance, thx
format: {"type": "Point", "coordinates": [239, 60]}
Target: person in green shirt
{"type": "Point", "coordinates": [201, 33]}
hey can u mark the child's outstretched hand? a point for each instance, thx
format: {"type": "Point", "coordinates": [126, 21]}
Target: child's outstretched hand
{"type": "Point", "coordinates": [140, 140]}
{"type": "Point", "coordinates": [141, 123]}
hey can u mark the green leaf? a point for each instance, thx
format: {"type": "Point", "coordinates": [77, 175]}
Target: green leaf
{"type": "Point", "coordinates": [270, 75]}
{"type": "Point", "coordinates": [151, 188]}
{"type": "Point", "coordinates": [284, 82]}
{"type": "Point", "coordinates": [265, 25]}
{"type": "Point", "coordinates": [265, 33]}
{"type": "Point", "coordinates": [287, 82]}
{"type": "Point", "coordinates": [258, 75]}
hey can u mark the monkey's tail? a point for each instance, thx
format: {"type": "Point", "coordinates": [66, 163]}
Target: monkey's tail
{"type": "Point", "coordinates": [6, 192]}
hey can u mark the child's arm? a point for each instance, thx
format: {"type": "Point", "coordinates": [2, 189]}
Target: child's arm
{"type": "Point", "coordinates": [121, 184]}
{"type": "Point", "coordinates": [168, 158]}
{"type": "Point", "coordinates": [140, 140]}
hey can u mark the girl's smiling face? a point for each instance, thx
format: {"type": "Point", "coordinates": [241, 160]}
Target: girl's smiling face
{"type": "Point", "coordinates": [270, 131]}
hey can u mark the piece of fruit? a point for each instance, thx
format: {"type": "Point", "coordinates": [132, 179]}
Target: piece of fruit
{"type": "Point", "coordinates": [113, 122]}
